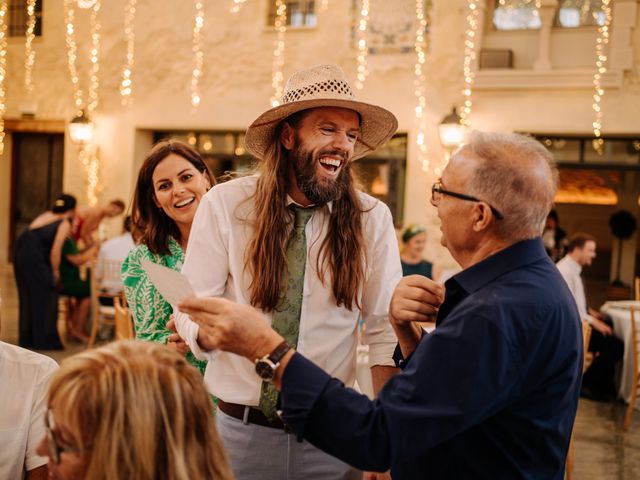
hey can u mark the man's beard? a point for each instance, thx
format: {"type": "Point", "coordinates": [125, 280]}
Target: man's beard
{"type": "Point", "coordinates": [316, 190]}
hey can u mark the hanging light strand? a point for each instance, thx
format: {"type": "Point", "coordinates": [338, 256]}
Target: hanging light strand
{"type": "Point", "coordinates": [601, 68]}
{"type": "Point", "coordinates": [94, 79]}
{"type": "Point", "coordinates": [126, 84]}
{"type": "Point", "coordinates": [198, 55]}
{"type": "Point", "coordinates": [4, 15]}
{"type": "Point", "coordinates": [29, 52]}
{"type": "Point", "coordinates": [72, 52]}
{"type": "Point", "coordinates": [469, 59]}
{"type": "Point", "coordinates": [324, 6]}
{"type": "Point", "coordinates": [237, 5]}
{"type": "Point", "coordinates": [277, 78]}
{"type": "Point", "coordinates": [420, 84]}
{"type": "Point", "coordinates": [362, 44]}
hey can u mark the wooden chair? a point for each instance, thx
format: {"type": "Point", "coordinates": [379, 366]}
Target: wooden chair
{"type": "Point", "coordinates": [104, 273]}
{"type": "Point", "coordinates": [637, 288]}
{"type": "Point", "coordinates": [123, 321]}
{"type": "Point", "coordinates": [588, 358]}
{"type": "Point", "coordinates": [636, 370]}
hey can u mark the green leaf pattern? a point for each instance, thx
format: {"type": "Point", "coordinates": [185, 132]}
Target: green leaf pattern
{"type": "Point", "coordinates": [150, 310]}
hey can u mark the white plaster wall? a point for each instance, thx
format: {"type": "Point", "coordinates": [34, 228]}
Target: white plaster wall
{"type": "Point", "coordinates": [237, 85]}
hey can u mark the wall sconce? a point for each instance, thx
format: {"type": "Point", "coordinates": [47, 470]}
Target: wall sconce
{"type": "Point", "coordinates": [451, 131]}
{"type": "Point", "coordinates": [81, 129]}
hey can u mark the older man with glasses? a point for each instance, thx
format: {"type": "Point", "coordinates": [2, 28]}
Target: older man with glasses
{"type": "Point", "coordinates": [492, 392]}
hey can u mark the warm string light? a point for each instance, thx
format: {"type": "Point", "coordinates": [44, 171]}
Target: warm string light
{"type": "Point", "coordinates": [126, 84]}
{"type": "Point", "coordinates": [94, 57]}
{"type": "Point", "coordinates": [3, 67]}
{"type": "Point", "coordinates": [420, 84]}
{"type": "Point", "coordinates": [198, 56]}
{"type": "Point", "coordinates": [88, 154]}
{"type": "Point", "coordinates": [601, 68]}
{"type": "Point", "coordinates": [277, 78]}
{"type": "Point", "coordinates": [324, 5]}
{"type": "Point", "coordinates": [29, 53]}
{"type": "Point", "coordinates": [237, 5]}
{"type": "Point", "coordinates": [362, 44]}
{"type": "Point", "coordinates": [469, 59]}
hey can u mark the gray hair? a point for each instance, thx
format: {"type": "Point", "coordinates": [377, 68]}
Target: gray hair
{"type": "Point", "coordinates": [517, 175]}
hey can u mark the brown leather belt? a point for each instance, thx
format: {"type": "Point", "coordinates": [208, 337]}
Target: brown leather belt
{"type": "Point", "coordinates": [255, 416]}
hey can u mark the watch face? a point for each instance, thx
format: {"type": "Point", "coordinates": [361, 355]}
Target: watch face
{"type": "Point", "coordinates": [265, 370]}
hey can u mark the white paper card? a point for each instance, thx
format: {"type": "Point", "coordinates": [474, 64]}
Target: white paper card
{"type": "Point", "coordinates": [172, 285]}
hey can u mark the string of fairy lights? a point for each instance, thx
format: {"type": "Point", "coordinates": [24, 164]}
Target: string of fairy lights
{"type": "Point", "coordinates": [277, 78]}
{"type": "Point", "coordinates": [363, 49]}
{"type": "Point", "coordinates": [237, 5]}
{"type": "Point", "coordinates": [3, 67]}
{"type": "Point", "coordinates": [469, 59]}
{"type": "Point", "coordinates": [601, 68]}
{"type": "Point", "coordinates": [29, 52]}
{"type": "Point", "coordinates": [420, 84]}
{"type": "Point", "coordinates": [198, 54]}
{"type": "Point", "coordinates": [126, 84]}
{"type": "Point", "coordinates": [88, 154]}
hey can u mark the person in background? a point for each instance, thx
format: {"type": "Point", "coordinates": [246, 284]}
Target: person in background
{"type": "Point", "coordinates": [36, 262]}
{"type": "Point", "coordinates": [492, 393]}
{"type": "Point", "coordinates": [24, 380]}
{"type": "Point", "coordinates": [598, 380]}
{"type": "Point", "coordinates": [414, 241]}
{"type": "Point", "coordinates": [88, 220]}
{"type": "Point", "coordinates": [76, 287]}
{"type": "Point", "coordinates": [171, 182]}
{"type": "Point", "coordinates": [554, 237]}
{"type": "Point", "coordinates": [114, 250]}
{"type": "Point", "coordinates": [130, 410]}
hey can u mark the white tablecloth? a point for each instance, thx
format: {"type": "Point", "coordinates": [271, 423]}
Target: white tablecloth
{"type": "Point", "coordinates": [621, 316]}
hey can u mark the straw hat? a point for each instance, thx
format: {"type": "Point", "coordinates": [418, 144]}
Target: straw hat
{"type": "Point", "coordinates": [322, 86]}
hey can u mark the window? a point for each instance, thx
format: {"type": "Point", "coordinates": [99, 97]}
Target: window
{"type": "Point", "coordinates": [580, 13]}
{"type": "Point", "coordinates": [300, 13]}
{"type": "Point", "coordinates": [516, 15]}
{"type": "Point", "coordinates": [18, 18]}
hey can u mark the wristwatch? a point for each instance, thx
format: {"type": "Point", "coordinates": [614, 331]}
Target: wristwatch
{"type": "Point", "coordinates": [266, 366]}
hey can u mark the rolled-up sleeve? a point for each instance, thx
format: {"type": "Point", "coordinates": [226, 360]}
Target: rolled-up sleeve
{"type": "Point", "coordinates": [384, 274]}
{"type": "Point", "coordinates": [206, 265]}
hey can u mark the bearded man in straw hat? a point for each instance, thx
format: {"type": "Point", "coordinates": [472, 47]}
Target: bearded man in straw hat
{"type": "Point", "coordinates": [301, 244]}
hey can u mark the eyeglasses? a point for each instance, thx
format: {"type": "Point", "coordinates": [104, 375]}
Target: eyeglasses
{"type": "Point", "coordinates": [437, 191]}
{"type": "Point", "coordinates": [55, 449]}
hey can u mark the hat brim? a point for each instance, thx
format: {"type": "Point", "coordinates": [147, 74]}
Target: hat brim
{"type": "Point", "coordinates": [377, 124]}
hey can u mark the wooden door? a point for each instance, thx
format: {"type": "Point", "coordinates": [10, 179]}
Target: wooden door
{"type": "Point", "coordinates": [37, 162]}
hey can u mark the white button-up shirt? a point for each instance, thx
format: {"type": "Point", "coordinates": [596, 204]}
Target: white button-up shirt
{"type": "Point", "coordinates": [570, 271]}
{"type": "Point", "coordinates": [328, 334]}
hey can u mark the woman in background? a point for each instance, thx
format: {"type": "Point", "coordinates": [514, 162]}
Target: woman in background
{"type": "Point", "coordinates": [414, 240]}
{"type": "Point", "coordinates": [72, 285]}
{"type": "Point", "coordinates": [36, 262]}
{"type": "Point", "coordinates": [131, 410]}
{"type": "Point", "coordinates": [172, 180]}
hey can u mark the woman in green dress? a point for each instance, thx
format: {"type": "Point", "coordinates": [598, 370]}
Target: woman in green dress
{"type": "Point", "coordinates": [171, 182]}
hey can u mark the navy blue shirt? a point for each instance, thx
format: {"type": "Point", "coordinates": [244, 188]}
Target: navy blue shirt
{"type": "Point", "coordinates": [491, 393]}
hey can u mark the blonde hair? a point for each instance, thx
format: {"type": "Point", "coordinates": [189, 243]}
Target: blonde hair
{"type": "Point", "coordinates": [138, 410]}
{"type": "Point", "coordinates": [517, 176]}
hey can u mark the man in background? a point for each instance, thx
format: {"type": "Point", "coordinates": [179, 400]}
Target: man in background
{"type": "Point", "coordinates": [598, 380]}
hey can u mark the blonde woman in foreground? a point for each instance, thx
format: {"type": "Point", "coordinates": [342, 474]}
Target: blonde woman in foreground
{"type": "Point", "coordinates": [131, 410]}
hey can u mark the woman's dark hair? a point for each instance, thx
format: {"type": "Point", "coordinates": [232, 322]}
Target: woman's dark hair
{"type": "Point", "coordinates": [63, 203]}
{"type": "Point", "coordinates": [151, 226]}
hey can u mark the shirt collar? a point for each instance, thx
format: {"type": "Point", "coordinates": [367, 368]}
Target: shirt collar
{"type": "Point", "coordinates": [573, 265]}
{"type": "Point", "coordinates": [292, 201]}
{"type": "Point", "coordinates": [506, 260]}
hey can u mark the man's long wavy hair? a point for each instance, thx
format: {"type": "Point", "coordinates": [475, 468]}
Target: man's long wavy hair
{"type": "Point", "coordinates": [138, 410]}
{"type": "Point", "coordinates": [342, 256]}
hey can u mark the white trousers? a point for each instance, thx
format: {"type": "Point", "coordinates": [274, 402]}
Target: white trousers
{"type": "Point", "coordinates": [263, 453]}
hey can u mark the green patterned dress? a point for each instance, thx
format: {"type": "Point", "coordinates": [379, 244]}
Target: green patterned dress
{"type": "Point", "coordinates": [150, 310]}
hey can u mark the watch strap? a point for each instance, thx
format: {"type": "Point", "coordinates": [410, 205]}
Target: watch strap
{"type": "Point", "coordinates": [276, 355]}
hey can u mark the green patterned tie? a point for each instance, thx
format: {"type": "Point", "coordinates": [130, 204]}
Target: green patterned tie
{"type": "Point", "coordinates": [286, 316]}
